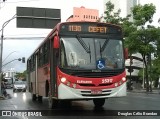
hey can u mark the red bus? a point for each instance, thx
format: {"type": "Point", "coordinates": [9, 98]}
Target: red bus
{"type": "Point", "coordinates": [78, 61]}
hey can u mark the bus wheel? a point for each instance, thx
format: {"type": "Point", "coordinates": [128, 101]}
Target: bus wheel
{"type": "Point", "coordinates": [47, 88]}
{"type": "Point", "coordinates": [39, 98]}
{"type": "Point", "coordinates": [99, 102]}
{"type": "Point", "coordinates": [65, 103]}
{"type": "Point", "coordinates": [34, 97]}
{"type": "Point", "coordinates": [53, 103]}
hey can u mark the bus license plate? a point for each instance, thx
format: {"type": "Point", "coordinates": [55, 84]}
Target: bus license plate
{"type": "Point", "coordinates": [96, 92]}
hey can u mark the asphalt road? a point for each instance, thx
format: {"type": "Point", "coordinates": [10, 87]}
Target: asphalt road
{"type": "Point", "coordinates": [135, 105]}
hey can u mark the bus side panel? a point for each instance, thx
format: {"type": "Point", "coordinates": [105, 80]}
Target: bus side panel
{"type": "Point", "coordinates": [33, 82]}
{"type": "Point", "coordinates": [42, 77]}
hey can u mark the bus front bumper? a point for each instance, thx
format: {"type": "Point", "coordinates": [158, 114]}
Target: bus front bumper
{"type": "Point", "coordinates": [65, 92]}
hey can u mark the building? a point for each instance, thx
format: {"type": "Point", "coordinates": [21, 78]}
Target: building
{"type": "Point", "coordinates": [137, 62]}
{"type": "Point", "coordinates": [10, 73]}
{"type": "Point", "coordinates": [84, 14]}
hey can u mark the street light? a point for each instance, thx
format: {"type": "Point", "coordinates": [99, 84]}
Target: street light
{"type": "Point", "coordinates": [1, 52]}
{"type": "Point", "coordinates": [8, 56]}
{"type": "Point", "coordinates": [19, 59]}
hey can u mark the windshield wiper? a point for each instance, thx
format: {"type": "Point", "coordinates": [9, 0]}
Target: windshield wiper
{"type": "Point", "coordinates": [83, 44]}
{"type": "Point", "coordinates": [104, 45]}
{"type": "Point", "coordinates": [87, 49]}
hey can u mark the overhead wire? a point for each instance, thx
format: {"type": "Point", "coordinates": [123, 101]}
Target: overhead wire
{"type": "Point", "coordinates": [24, 38]}
{"type": "Point", "coordinates": [21, 1]}
{"type": "Point", "coordinates": [2, 4]}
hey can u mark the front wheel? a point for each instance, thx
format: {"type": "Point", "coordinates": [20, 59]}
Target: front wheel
{"type": "Point", "coordinates": [99, 102]}
{"type": "Point", "coordinates": [34, 97]}
{"type": "Point", "coordinates": [39, 98]}
{"type": "Point", "coordinates": [53, 103]}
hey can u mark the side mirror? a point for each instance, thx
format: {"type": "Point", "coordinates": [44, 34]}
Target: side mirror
{"type": "Point", "coordinates": [56, 42]}
{"type": "Point", "coordinates": [126, 53]}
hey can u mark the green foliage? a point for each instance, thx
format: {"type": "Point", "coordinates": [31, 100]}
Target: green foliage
{"type": "Point", "coordinates": [138, 37]}
{"type": "Point", "coordinates": [110, 16]}
{"type": "Point", "coordinates": [21, 75]}
{"type": "Point", "coordinates": [143, 14]}
{"type": "Point", "coordinates": [140, 74]}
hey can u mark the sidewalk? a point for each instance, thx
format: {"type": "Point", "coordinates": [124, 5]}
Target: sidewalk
{"type": "Point", "coordinates": [6, 103]}
{"type": "Point", "coordinates": [154, 91]}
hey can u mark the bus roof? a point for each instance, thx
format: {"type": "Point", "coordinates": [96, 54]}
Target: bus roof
{"type": "Point", "coordinates": [57, 28]}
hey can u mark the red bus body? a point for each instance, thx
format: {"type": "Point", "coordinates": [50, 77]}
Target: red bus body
{"type": "Point", "coordinates": [71, 64]}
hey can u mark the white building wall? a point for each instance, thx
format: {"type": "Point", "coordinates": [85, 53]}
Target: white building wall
{"type": "Point", "coordinates": [10, 73]}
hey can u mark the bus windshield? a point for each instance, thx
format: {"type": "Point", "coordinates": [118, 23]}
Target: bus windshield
{"type": "Point", "coordinates": [91, 53]}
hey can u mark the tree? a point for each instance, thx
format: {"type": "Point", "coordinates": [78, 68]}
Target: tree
{"type": "Point", "coordinates": [21, 76]}
{"type": "Point", "coordinates": [138, 37]}
{"type": "Point", "coordinates": [110, 16]}
{"type": "Point", "coordinates": [143, 38]}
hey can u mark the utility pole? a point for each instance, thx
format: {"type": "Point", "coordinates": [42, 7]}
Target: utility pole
{"type": "Point", "coordinates": [1, 51]}
{"type": "Point", "coordinates": [131, 70]}
{"type": "Point", "coordinates": [150, 72]}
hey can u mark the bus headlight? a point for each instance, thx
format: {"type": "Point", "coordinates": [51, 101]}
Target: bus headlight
{"type": "Point", "coordinates": [124, 79]}
{"type": "Point", "coordinates": [63, 79]}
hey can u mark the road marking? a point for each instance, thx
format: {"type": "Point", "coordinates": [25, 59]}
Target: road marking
{"type": "Point", "coordinates": [15, 106]}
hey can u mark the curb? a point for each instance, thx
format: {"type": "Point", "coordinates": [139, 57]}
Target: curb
{"type": "Point", "coordinates": [2, 98]}
{"type": "Point", "coordinates": [153, 92]}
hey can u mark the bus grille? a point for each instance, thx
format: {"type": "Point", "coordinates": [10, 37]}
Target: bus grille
{"type": "Point", "coordinates": [87, 93]}
{"type": "Point", "coordinates": [89, 85]}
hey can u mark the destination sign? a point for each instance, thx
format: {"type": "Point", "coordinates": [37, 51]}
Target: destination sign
{"type": "Point", "coordinates": [85, 27]}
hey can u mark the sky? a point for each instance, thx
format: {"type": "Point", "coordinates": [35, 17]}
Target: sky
{"type": "Point", "coordinates": [14, 49]}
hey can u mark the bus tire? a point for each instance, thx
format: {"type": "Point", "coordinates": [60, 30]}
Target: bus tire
{"type": "Point", "coordinates": [47, 88]}
{"type": "Point", "coordinates": [39, 98]}
{"type": "Point", "coordinates": [34, 97]}
{"type": "Point", "coordinates": [99, 102]}
{"type": "Point", "coordinates": [65, 103]}
{"type": "Point", "coordinates": [53, 103]}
